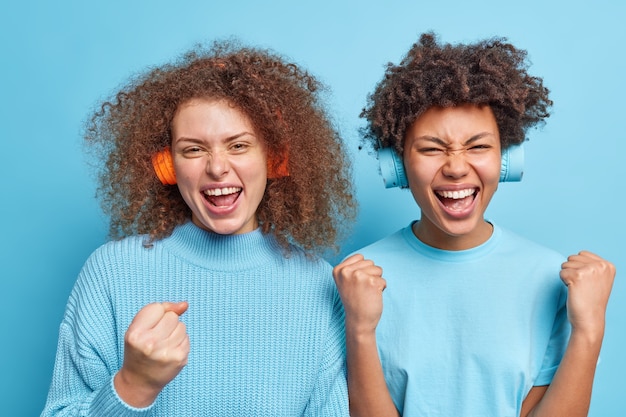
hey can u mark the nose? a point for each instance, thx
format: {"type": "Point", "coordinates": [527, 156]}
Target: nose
{"type": "Point", "coordinates": [217, 165]}
{"type": "Point", "coordinates": [456, 165]}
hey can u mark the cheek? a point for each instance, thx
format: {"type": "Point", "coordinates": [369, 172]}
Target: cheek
{"type": "Point", "coordinates": [186, 178]}
{"type": "Point", "coordinates": [253, 168]}
{"type": "Point", "coordinates": [420, 180]}
{"type": "Point", "coordinates": [489, 169]}
{"type": "Point", "coordinates": [420, 172]}
{"type": "Point", "coordinates": [259, 182]}
{"type": "Point", "coordinates": [253, 175]}
{"type": "Point", "coordinates": [189, 168]}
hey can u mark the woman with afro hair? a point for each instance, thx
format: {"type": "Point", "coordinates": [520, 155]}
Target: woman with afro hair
{"type": "Point", "coordinates": [225, 181]}
{"type": "Point", "coordinates": [477, 321]}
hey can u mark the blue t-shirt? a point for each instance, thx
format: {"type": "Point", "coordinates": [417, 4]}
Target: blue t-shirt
{"type": "Point", "coordinates": [468, 333]}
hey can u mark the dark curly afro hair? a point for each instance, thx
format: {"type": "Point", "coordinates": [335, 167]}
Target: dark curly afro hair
{"type": "Point", "coordinates": [308, 208]}
{"type": "Point", "coordinates": [490, 72]}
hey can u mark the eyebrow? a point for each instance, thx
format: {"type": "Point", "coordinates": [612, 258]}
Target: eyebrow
{"type": "Point", "coordinates": [227, 139]}
{"type": "Point", "coordinates": [443, 143]}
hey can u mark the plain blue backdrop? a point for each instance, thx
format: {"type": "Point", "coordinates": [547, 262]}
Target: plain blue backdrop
{"type": "Point", "coordinates": [60, 58]}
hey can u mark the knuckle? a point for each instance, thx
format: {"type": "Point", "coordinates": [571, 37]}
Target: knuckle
{"type": "Point", "coordinates": [133, 337]}
{"type": "Point", "coordinates": [148, 347]}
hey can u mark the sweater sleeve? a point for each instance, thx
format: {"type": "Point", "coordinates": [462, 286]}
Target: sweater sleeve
{"type": "Point", "coordinates": [83, 386]}
{"type": "Point", "coordinates": [330, 394]}
{"type": "Point", "coordinates": [87, 355]}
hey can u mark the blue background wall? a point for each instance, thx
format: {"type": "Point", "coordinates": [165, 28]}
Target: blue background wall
{"type": "Point", "coordinates": [60, 58]}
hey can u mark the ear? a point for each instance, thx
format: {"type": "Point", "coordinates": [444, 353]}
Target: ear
{"type": "Point", "coordinates": [164, 167]}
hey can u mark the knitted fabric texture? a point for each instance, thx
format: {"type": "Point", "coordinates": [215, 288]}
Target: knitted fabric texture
{"type": "Point", "coordinates": [266, 330]}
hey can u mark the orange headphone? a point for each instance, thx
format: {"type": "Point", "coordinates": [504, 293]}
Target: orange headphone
{"type": "Point", "coordinates": [164, 167]}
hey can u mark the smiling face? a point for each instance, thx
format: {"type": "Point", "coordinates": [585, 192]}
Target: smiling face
{"type": "Point", "coordinates": [220, 165]}
{"type": "Point", "coordinates": [452, 160]}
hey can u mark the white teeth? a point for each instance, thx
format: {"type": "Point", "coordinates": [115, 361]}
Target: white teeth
{"type": "Point", "coordinates": [222, 191]}
{"type": "Point", "coordinates": [455, 195]}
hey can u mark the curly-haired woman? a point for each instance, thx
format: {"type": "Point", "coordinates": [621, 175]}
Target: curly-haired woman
{"type": "Point", "coordinates": [224, 180]}
{"type": "Point", "coordinates": [477, 321]}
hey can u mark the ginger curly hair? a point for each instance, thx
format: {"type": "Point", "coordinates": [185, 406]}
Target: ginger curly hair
{"type": "Point", "coordinates": [308, 208]}
{"type": "Point", "coordinates": [490, 72]}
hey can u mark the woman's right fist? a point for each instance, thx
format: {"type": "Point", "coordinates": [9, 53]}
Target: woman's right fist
{"type": "Point", "coordinates": [156, 348]}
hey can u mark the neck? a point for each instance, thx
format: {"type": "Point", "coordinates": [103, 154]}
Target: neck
{"type": "Point", "coordinates": [441, 239]}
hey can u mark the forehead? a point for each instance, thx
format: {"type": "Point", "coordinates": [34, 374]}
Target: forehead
{"type": "Point", "coordinates": [454, 124]}
{"type": "Point", "coordinates": [205, 117]}
{"type": "Point", "coordinates": [199, 104]}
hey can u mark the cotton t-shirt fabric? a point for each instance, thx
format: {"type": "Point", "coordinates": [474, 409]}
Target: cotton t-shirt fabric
{"type": "Point", "coordinates": [468, 333]}
{"type": "Point", "coordinates": [266, 330]}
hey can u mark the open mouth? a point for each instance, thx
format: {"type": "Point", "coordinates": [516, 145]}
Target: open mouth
{"type": "Point", "coordinates": [222, 197]}
{"type": "Point", "coordinates": [457, 200]}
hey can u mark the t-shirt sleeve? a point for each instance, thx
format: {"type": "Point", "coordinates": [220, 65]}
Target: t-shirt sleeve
{"type": "Point", "coordinates": [557, 344]}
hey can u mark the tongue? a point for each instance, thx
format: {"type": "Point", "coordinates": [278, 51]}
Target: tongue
{"type": "Point", "coordinates": [223, 200]}
{"type": "Point", "coordinates": [457, 204]}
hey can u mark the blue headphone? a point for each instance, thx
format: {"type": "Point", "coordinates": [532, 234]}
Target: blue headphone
{"type": "Point", "coordinates": [394, 174]}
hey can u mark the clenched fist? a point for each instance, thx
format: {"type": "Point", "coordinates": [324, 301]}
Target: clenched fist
{"type": "Point", "coordinates": [360, 285]}
{"type": "Point", "coordinates": [589, 279]}
{"type": "Point", "coordinates": [156, 347]}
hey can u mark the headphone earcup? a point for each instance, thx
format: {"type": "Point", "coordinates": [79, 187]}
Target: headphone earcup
{"type": "Point", "coordinates": [278, 168]}
{"type": "Point", "coordinates": [512, 167]}
{"type": "Point", "coordinates": [164, 167]}
{"type": "Point", "coordinates": [392, 168]}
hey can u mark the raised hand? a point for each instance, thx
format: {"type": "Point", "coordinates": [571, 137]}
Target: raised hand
{"type": "Point", "coordinates": [156, 347]}
{"type": "Point", "coordinates": [589, 279]}
{"type": "Point", "coordinates": [360, 285]}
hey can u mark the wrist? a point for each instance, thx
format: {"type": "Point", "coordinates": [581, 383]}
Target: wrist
{"type": "Point", "coordinates": [361, 334]}
{"type": "Point", "coordinates": [588, 336]}
{"type": "Point", "coordinates": [133, 391]}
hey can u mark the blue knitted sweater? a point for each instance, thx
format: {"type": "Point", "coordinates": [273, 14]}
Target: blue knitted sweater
{"type": "Point", "coordinates": [266, 330]}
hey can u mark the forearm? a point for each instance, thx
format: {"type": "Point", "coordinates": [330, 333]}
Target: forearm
{"type": "Point", "coordinates": [569, 393]}
{"type": "Point", "coordinates": [369, 395]}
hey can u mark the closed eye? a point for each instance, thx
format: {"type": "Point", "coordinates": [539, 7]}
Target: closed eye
{"type": "Point", "coordinates": [239, 146]}
{"type": "Point", "coordinates": [431, 150]}
{"type": "Point", "coordinates": [193, 151]}
{"type": "Point", "coordinates": [479, 148]}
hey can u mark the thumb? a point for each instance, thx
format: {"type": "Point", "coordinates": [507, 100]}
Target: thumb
{"type": "Point", "coordinates": [179, 308]}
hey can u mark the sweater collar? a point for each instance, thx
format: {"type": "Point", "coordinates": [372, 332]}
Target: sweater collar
{"type": "Point", "coordinates": [221, 252]}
